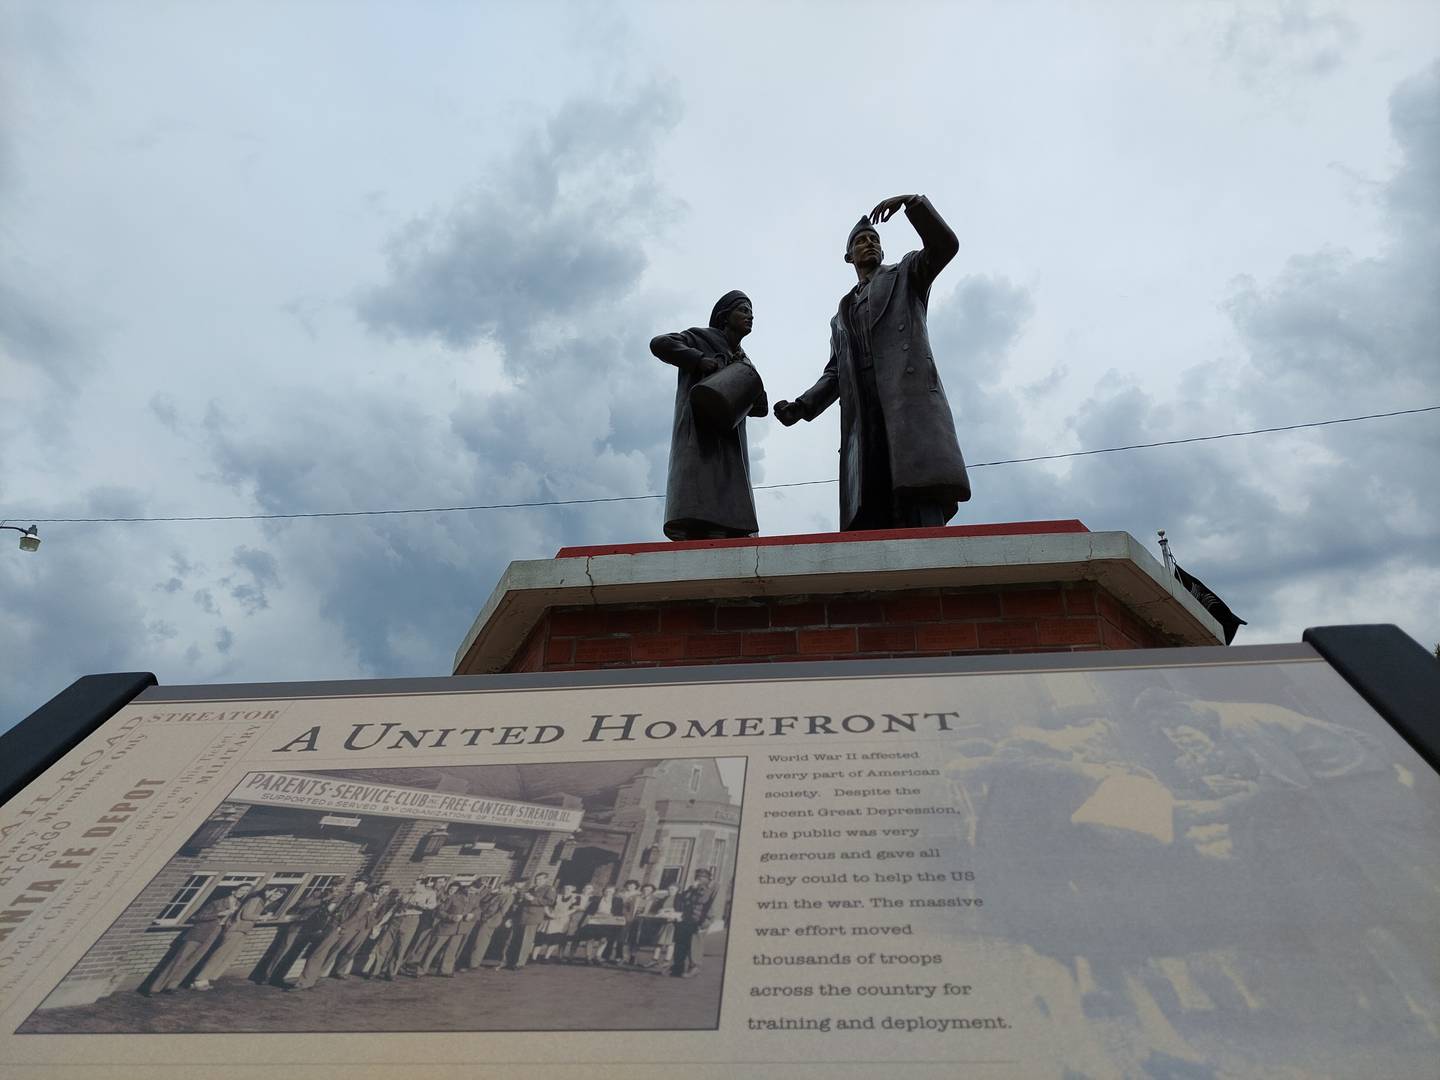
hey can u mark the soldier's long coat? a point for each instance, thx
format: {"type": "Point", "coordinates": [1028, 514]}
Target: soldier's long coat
{"type": "Point", "coordinates": [925, 456]}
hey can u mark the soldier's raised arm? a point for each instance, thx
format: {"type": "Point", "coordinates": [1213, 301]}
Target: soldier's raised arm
{"type": "Point", "coordinates": [938, 240]}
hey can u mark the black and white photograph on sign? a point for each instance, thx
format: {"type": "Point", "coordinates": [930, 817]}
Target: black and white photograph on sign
{"type": "Point", "coordinates": [564, 896]}
{"type": "Point", "coordinates": [1204, 872]}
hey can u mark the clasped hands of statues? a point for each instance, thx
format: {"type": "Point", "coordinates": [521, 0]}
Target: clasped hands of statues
{"type": "Point", "coordinates": [791, 412]}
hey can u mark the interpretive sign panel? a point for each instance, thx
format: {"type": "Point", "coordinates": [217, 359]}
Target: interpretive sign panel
{"type": "Point", "coordinates": [1196, 863]}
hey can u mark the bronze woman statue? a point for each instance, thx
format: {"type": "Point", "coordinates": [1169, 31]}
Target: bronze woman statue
{"type": "Point", "coordinates": [708, 495]}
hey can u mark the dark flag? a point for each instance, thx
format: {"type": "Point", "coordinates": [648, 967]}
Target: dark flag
{"type": "Point", "coordinates": [1228, 620]}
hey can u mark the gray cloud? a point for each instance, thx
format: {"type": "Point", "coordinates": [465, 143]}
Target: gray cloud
{"type": "Point", "coordinates": [992, 313]}
{"type": "Point", "coordinates": [99, 598]}
{"type": "Point", "coordinates": [37, 330]}
{"type": "Point", "coordinates": [33, 41]}
{"type": "Point", "coordinates": [180, 570]}
{"type": "Point", "coordinates": [162, 407]}
{"type": "Point", "coordinates": [549, 234]}
{"type": "Point", "coordinates": [1332, 334]}
{"type": "Point", "coordinates": [1339, 328]}
{"type": "Point", "coordinates": [259, 573]}
{"type": "Point", "coordinates": [541, 261]}
{"type": "Point", "coordinates": [39, 323]}
{"type": "Point", "coordinates": [76, 606]}
{"type": "Point", "coordinates": [1282, 526]}
{"type": "Point", "coordinates": [1412, 197]}
{"type": "Point", "coordinates": [974, 328]}
{"type": "Point", "coordinates": [1285, 38]}
{"type": "Point", "coordinates": [1369, 325]}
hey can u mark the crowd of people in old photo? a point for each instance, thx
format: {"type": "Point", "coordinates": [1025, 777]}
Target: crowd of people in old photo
{"type": "Point", "coordinates": [439, 927]}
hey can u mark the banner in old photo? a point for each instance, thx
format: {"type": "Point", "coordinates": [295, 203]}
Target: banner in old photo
{"type": "Point", "coordinates": [1220, 864]}
{"type": "Point", "coordinates": [299, 789]}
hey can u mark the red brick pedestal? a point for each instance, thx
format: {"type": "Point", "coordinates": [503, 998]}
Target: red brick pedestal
{"type": "Point", "coordinates": [1050, 586]}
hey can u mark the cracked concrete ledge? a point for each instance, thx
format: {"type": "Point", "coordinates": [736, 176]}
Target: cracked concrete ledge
{"type": "Point", "coordinates": [1114, 560]}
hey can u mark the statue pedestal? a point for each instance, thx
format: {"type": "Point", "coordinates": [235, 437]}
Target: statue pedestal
{"type": "Point", "coordinates": [1023, 587]}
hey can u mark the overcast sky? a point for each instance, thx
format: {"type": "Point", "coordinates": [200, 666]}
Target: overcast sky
{"type": "Point", "coordinates": [297, 256]}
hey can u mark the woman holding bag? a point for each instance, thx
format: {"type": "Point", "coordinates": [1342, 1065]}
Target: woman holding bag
{"type": "Point", "coordinates": [708, 494]}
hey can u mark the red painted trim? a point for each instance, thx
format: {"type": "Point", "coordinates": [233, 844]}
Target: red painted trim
{"type": "Point", "coordinates": [1009, 528]}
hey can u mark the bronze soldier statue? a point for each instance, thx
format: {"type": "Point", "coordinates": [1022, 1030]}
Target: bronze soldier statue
{"type": "Point", "coordinates": [708, 495]}
{"type": "Point", "coordinates": [900, 463]}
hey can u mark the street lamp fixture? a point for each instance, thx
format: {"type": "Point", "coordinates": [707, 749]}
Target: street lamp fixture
{"type": "Point", "coordinates": [29, 538]}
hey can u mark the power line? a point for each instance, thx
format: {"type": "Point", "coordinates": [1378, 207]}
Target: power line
{"type": "Point", "coordinates": [1211, 438]}
{"type": "Point", "coordinates": [758, 487]}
